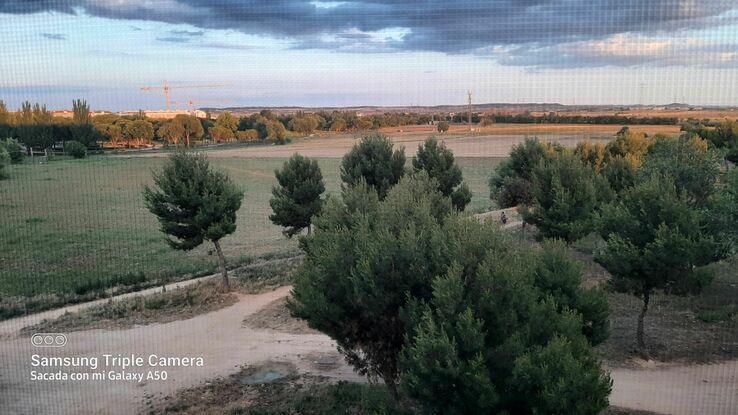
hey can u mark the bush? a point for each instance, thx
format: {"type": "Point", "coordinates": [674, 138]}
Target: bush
{"type": "Point", "coordinates": [4, 161]}
{"type": "Point", "coordinates": [442, 126]}
{"type": "Point", "coordinates": [75, 149]}
{"type": "Point", "coordinates": [247, 135]}
{"type": "Point", "coordinates": [375, 162]}
{"type": "Point", "coordinates": [14, 149]}
{"type": "Point", "coordinates": [220, 133]}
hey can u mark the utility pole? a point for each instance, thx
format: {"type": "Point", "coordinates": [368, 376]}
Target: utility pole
{"type": "Point", "coordinates": [469, 94]}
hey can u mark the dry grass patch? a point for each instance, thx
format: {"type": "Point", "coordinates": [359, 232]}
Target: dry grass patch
{"type": "Point", "coordinates": [178, 304]}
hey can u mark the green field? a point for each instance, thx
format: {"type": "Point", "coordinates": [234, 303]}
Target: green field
{"type": "Point", "coordinates": [73, 226]}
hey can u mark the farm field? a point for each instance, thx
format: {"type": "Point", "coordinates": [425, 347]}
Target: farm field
{"type": "Point", "coordinates": [469, 144]}
{"type": "Point", "coordinates": [535, 129]}
{"type": "Point", "coordinates": [73, 226]}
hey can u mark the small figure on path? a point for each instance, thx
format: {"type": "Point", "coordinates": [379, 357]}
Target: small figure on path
{"type": "Point", "coordinates": [503, 218]}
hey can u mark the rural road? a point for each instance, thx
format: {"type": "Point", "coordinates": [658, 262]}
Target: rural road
{"type": "Point", "coordinates": [225, 343]}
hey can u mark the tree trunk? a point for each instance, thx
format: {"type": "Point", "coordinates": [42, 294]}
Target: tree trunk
{"type": "Point", "coordinates": [639, 332]}
{"type": "Point", "coordinates": [223, 270]}
{"type": "Point", "coordinates": [392, 389]}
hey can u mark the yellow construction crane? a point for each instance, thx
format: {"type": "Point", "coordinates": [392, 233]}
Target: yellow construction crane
{"type": "Point", "coordinates": [166, 88]}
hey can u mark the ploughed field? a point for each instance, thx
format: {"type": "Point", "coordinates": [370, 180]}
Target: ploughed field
{"type": "Point", "coordinates": [74, 227]}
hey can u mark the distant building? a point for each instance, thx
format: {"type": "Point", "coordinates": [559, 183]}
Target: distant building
{"type": "Point", "coordinates": [166, 115]}
{"type": "Point", "coordinates": [70, 113]}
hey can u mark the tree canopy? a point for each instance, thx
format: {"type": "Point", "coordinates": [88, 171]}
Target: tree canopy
{"type": "Point", "coordinates": [438, 161]}
{"type": "Point", "coordinates": [375, 162]}
{"type": "Point", "coordinates": [194, 203]}
{"type": "Point", "coordinates": [388, 278]}
{"type": "Point", "coordinates": [297, 198]}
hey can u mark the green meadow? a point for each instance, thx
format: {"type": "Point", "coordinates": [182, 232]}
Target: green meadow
{"type": "Point", "coordinates": [76, 226]}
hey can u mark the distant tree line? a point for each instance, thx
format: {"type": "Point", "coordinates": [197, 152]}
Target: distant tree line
{"type": "Point", "coordinates": [555, 118]}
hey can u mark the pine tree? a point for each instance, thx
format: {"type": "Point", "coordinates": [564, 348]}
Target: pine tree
{"type": "Point", "coordinates": [565, 196]}
{"type": "Point", "coordinates": [297, 199]}
{"type": "Point", "coordinates": [194, 203]}
{"type": "Point", "coordinates": [373, 161]}
{"type": "Point", "coordinates": [655, 240]}
{"type": "Point", "coordinates": [414, 292]}
{"type": "Point", "coordinates": [438, 161]}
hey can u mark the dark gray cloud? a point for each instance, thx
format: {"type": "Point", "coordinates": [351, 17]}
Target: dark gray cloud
{"type": "Point", "coordinates": [426, 25]}
{"type": "Point", "coordinates": [173, 39]}
{"type": "Point", "coordinates": [54, 36]}
{"type": "Point", "coordinates": [187, 33]}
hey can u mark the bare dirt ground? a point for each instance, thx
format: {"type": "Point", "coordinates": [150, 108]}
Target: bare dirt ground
{"type": "Point", "coordinates": [226, 343]}
{"type": "Point", "coordinates": [494, 141]}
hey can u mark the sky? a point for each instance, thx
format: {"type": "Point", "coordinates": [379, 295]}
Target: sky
{"type": "Point", "coordinates": [368, 52]}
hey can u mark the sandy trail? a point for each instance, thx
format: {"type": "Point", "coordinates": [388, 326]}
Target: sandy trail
{"type": "Point", "coordinates": [218, 337]}
{"type": "Point", "coordinates": [225, 343]}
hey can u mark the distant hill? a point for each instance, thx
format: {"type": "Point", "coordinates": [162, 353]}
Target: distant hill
{"type": "Point", "coordinates": [484, 107]}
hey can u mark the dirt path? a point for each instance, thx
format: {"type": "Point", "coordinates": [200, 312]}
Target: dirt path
{"type": "Point", "coordinates": [219, 338]}
{"type": "Point", "coordinates": [678, 390]}
{"type": "Point", "coordinates": [225, 342]}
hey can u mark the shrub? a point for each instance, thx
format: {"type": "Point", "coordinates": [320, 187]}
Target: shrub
{"type": "Point", "coordinates": [14, 149]}
{"type": "Point", "coordinates": [220, 133]}
{"type": "Point", "coordinates": [75, 149]}
{"type": "Point", "coordinates": [273, 130]}
{"type": "Point", "coordinates": [247, 135]}
{"type": "Point", "coordinates": [4, 161]}
{"type": "Point", "coordinates": [442, 126]}
{"type": "Point", "coordinates": [591, 154]}
{"type": "Point", "coordinates": [374, 162]}
{"type": "Point", "coordinates": [632, 146]}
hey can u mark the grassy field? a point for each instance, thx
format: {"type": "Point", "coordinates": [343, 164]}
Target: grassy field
{"type": "Point", "coordinates": [76, 226]}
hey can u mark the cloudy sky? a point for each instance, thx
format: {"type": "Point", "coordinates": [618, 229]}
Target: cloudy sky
{"type": "Point", "coordinates": [364, 52]}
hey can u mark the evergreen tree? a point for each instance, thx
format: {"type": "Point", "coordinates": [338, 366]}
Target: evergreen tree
{"type": "Point", "coordinates": [297, 199]}
{"type": "Point", "coordinates": [511, 182]}
{"type": "Point", "coordinates": [687, 160]}
{"type": "Point", "coordinates": [373, 267]}
{"type": "Point", "coordinates": [565, 196]}
{"type": "Point", "coordinates": [373, 161]}
{"type": "Point", "coordinates": [438, 161]}
{"type": "Point", "coordinates": [194, 203]}
{"type": "Point", "coordinates": [655, 240]}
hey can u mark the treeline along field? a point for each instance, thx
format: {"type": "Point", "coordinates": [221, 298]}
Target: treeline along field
{"type": "Point", "coordinates": [72, 227]}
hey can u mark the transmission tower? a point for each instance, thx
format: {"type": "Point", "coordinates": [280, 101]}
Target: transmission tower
{"type": "Point", "coordinates": [469, 109]}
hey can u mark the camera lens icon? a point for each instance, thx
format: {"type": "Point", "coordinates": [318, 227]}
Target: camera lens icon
{"type": "Point", "coordinates": [49, 340]}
